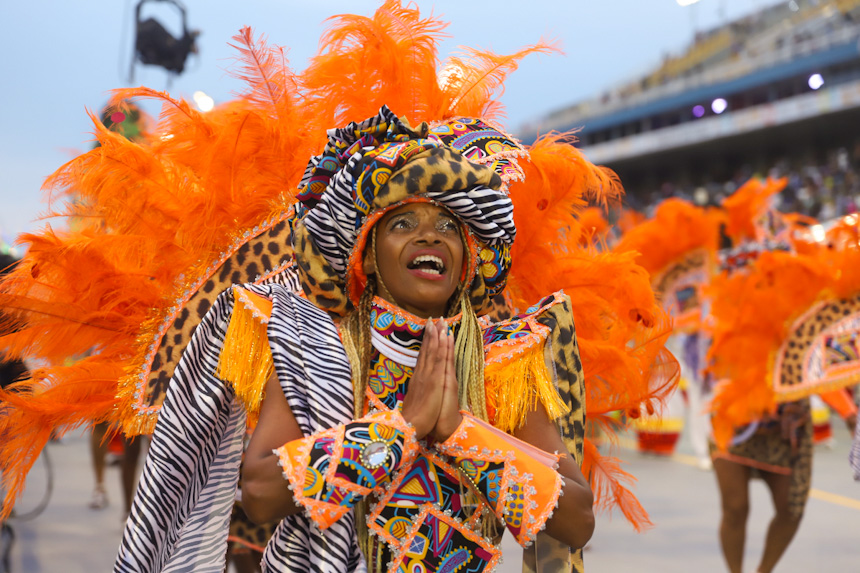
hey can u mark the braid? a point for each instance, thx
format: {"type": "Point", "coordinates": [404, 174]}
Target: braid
{"type": "Point", "coordinates": [355, 331]}
{"type": "Point", "coordinates": [469, 356]}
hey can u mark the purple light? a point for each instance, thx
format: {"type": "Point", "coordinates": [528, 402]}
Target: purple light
{"type": "Point", "coordinates": [699, 111]}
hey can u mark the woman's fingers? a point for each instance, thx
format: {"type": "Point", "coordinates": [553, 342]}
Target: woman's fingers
{"type": "Point", "coordinates": [425, 339]}
{"type": "Point", "coordinates": [449, 412]}
{"type": "Point", "coordinates": [424, 397]}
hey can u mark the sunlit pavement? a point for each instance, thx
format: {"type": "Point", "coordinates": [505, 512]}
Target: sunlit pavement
{"type": "Point", "coordinates": [69, 537]}
{"type": "Point", "coordinates": [684, 506]}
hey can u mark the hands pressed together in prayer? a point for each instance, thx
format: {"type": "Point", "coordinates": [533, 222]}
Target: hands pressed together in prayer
{"type": "Point", "coordinates": [431, 404]}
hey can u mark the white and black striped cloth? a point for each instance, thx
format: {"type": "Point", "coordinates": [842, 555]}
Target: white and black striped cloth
{"type": "Point", "coordinates": [181, 512]}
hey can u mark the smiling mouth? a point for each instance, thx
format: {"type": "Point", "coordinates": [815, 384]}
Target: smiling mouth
{"type": "Point", "coordinates": [427, 263]}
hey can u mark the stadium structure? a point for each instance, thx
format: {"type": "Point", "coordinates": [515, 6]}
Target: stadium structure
{"type": "Point", "coordinates": [779, 86]}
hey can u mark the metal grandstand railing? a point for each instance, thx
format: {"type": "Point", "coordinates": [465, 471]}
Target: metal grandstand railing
{"type": "Point", "coordinates": [821, 31]}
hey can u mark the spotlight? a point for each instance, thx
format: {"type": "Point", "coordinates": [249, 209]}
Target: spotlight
{"type": "Point", "coordinates": [699, 110]}
{"type": "Point", "coordinates": [203, 101]}
{"type": "Point", "coordinates": [719, 105]}
{"type": "Point", "coordinates": [154, 45]}
{"type": "Point", "coordinates": [815, 81]}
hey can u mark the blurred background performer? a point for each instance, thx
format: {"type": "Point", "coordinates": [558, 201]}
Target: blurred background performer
{"type": "Point", "coordinates": [781, 308]}
{"type": "Point", "coordinates": [678, 247]}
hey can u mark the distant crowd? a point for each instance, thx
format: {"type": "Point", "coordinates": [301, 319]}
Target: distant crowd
{"type": "Point", "coordinates": [823, 190]}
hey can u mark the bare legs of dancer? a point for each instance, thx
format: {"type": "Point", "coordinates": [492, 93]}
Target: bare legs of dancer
{"type": "Point", "coordinates": [128, 466]}
{"type": "Point", "coordinates": [98, 453]}
{"type": "Point", "coordinates": [733, 480]}
{"type": "Point", "coordinates": [783, 526]}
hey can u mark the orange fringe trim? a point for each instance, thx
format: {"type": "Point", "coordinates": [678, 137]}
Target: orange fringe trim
{"type": "Point", "coordinates": [515, 388]}
{"type": "Point", "coordinates": [246, 358]}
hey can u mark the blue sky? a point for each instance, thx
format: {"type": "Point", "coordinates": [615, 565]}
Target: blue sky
{"type": "Point", "coordinates": [61, 58]}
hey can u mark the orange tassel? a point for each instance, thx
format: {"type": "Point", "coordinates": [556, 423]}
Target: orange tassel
{"type": "Point", "coordinates": [246, 359]}
{"type": "Point", "coordinates": [515, 387]}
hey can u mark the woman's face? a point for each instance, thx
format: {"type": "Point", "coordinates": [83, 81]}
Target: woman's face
{"type": "Point", "coordinates": [419, 257]}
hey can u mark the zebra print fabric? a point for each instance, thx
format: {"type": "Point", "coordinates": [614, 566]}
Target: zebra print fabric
{"type": "Point", "coordinates": [180, 516]}
{"type": "Point", "coordinates": [316, 379]}
{"type": "Point", "coordinates": [181, 511]}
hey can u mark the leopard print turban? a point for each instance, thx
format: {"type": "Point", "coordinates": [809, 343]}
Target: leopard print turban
{"type": "Point", "coordinates": [371, 167]}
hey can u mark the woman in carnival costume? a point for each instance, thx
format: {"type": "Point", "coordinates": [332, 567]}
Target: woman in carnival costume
{"type": "Point", "coordinates": [786, 315]}
{"type": "Point", "coordinates": [325, 300]}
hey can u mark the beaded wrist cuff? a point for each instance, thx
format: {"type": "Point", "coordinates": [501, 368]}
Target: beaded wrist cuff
{"type": "Point", "coordinates": [518, 481]}
{"type": "Point", "coordinates": [330, 471]}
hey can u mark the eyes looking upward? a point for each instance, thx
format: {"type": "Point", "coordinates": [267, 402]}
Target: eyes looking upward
{"type": "Point", "coordinates": [409, 221]}
{"type": "Point", "coordinates": [419, 258]}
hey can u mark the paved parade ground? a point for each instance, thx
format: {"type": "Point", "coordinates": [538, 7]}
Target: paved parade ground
{"type": "Point", "coordinates": [682, 500]}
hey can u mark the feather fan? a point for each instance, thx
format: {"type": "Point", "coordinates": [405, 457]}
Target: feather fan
{"type": "Point", "coordinates": [151, 216]}
{"type": "Point", "coordinates": [753, 311]}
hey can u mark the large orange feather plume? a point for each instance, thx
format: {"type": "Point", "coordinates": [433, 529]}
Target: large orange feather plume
{"type": "Point", "coordinates": [677, 228]}
{"type": "Point", "coordinates": [753, 311]}
{"type": "Point", "coordinates": [748, 204]}
{"type": "Point", "coordinates": [620, 326]}
{"type": "Point", "coordinates": [156, 214]}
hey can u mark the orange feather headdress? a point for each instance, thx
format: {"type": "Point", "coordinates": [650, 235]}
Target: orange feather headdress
{"type": "Point", "coordinates": [784, 326]}
{"type": "Point", "coordinates": [677, 247]}
{"type": "Point", "coordinates": [204, 189]}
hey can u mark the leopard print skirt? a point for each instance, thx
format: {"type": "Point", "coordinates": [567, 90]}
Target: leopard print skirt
{"type": "Point", "coordinates": [768, 451]}
{"type": "Point", "coordinates": [245, 535]}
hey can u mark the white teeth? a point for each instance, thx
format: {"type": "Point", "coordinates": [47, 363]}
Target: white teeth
{"type": "Point", "coordinates": [437, 262]}
{"type": "Point", "coordinates": [429, 258]}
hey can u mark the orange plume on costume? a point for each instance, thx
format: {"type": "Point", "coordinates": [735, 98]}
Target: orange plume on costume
{"type": "Point", "coordinates": [391, 59]}
{"type": "Point", "coordinates": [594, 225]}
{"type": "Point", "coordinates": [845, 234]}
{"type": "Point", "coordinates": [842, 257]}
{"type": "Point", "coordinates": [748, 204]}
{"type": "Point", "coordinates": [753, 310]}
{"type": "Point", "coordinates": [677, 228]}
{"type": "Point", "coordinates": [606, 478]}
{"type": "Point", "coordinates": [620, 327]}
{"type": "Point", "coordinates": [150, 217]}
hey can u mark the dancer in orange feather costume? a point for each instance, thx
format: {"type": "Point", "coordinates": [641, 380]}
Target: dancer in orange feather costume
{"type": "Point", "coordinates": [210, 203]}
{"type": "Point", "coordinates": [783, 314]}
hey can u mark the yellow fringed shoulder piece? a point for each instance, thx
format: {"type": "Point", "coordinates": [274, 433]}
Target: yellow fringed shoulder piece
{"type": "Point", "coordinates": [246, 358]}
{"type": "Point", "coordinates": [516, 385]}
